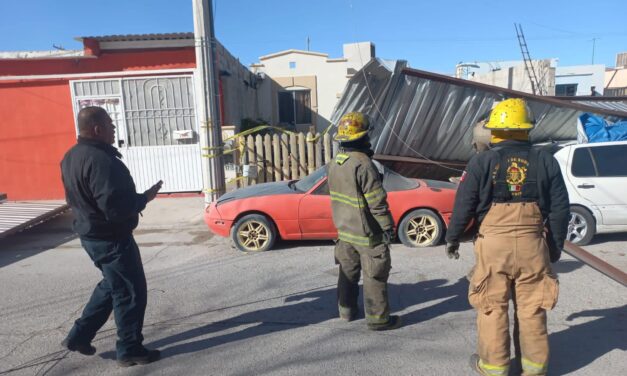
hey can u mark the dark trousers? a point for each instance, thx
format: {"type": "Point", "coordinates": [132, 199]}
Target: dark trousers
{"type": "Point", "coordinates": [376, 264]}
{"type": "Point", "coordinates": [122, 290]}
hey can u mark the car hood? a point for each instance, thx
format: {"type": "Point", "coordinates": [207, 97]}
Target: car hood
{"type": "Point", "coordinates": [264, 189]}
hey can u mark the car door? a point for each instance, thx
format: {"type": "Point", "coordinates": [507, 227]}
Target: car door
{"type": "Point", "coordinates": [599, 174]}
{"type": "Point", "coordinates": [314, 213]}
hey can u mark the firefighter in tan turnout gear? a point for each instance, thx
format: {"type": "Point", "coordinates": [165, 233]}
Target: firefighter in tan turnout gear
{"type": "Point", "coordinates": [364, 223]}
{"type": "Point", "coordinates": [514, 191]}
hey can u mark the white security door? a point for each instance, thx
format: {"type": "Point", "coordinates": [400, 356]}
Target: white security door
{"type": "Point", "coordinates": [162, 140]}
{"type": "Point", "coordinates": [156, 129]}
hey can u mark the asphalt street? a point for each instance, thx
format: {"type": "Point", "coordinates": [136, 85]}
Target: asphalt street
{"type": "Point", "coordinates": [215, 311]}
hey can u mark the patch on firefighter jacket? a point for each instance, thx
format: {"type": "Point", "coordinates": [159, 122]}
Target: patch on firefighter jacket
{"type": "Point", "coordinates": [516, 174]}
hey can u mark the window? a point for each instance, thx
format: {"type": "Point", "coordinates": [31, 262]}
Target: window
{"type": "Point", "coordinates": [306, 183]}
{"type": "Point", "coordinates": [292, 65]}
{"type": "Point", "coordinates": [323, 189]}
{"type": "Point", "coordinates": [295, 107]}
{"type": "Point", "coordinates": [610, 160]}
{"type": "Point", "coordinates": [582, 163]}
{"type": "Point", "coordinates": [566, 90]}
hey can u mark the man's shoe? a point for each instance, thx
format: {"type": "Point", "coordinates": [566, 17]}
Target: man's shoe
{"type": "Point", "coordinates": [85, 349]}
{"type": "Point", "coordinates": [148, 356]}
{"type": "Point", "coordinates": [393, 323]}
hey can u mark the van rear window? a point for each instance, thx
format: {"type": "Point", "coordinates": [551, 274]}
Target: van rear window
{"type": "Point", "coordinates": [582, 163]}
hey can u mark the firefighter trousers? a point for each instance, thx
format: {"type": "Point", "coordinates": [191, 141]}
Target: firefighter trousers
{"type": "Point", "coordinates": [376, 264]}
{"type": "Point", "coordinates": [512, 258]}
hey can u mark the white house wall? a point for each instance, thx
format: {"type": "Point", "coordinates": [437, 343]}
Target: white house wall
{"type": "Point", "coordinates": [585, 76]}
{"type": "Point", "coordinates": [330, 78]}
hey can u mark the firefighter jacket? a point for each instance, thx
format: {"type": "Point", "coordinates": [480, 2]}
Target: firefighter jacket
{"type": "Point", "coordinates": [477, 189]}
{"type": "Point", "coordinates": [358, 200]}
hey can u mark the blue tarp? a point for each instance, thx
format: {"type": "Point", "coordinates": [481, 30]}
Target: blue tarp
{"type": "Point", "coordinates": [598, 129]}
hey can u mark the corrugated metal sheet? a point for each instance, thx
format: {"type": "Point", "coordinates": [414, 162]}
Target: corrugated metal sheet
{"type": "Point", "coordinates": [608, 104]}
{"type": "Point", "coordinates": [17, 216]}
{"type": "Point", "coordinates": [139, 37]}
{"type": "Point", "coordinates": [428, 116]}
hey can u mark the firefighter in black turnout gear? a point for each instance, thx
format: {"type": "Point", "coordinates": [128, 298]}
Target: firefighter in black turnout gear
{"type": "Point", "coordinates": [515, 192]}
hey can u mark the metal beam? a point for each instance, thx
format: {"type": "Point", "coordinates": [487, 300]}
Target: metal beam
{"type": "Point", "coordinates": [596, 263]}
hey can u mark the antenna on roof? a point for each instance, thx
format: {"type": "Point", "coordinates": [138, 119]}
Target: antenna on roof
{"type": "Point", "coordinates": [308, 41]}
{"type": "Point", "coordinates": [59, 47]}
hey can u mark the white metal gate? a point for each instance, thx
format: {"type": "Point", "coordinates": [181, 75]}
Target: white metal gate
{"type": "Point", "coordinates": [157, 131]}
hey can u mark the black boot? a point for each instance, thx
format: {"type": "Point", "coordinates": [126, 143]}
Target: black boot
{"type": "Point", "coordinates": [85, 349]}
{"type": "Point", "coordinates": [145, 357]}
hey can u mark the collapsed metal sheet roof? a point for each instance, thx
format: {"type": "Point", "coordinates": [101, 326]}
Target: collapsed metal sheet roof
{"type": "Point", "coordinates": [609, 103]}
{"type": "Point", "coordinates": [427, 116]}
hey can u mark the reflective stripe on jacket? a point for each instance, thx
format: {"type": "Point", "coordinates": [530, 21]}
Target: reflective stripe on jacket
{"type": "Point", "coordinates": [358, 200]}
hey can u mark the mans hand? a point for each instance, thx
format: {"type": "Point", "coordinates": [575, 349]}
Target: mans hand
{"type": "Point", "coordinates": [388, 236]}
{"type": "Point", "coordinates": [452, 250]}
{"type": "Point", "coordinates": [151, 193]}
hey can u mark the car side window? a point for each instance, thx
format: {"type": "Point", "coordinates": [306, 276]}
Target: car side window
{"type": "Point", "coordinates": [610, 160]}
{"type": "Point", "coordinates": [323, 189]}
{"type": "Point", "coordinates": [582, 163]}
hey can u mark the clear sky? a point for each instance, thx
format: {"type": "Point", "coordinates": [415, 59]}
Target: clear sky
{"type": "Point", "coordinates": [432, 35]}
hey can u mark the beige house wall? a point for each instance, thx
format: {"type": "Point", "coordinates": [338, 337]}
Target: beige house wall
{"type": "Point", "coordinates": [325, 77]}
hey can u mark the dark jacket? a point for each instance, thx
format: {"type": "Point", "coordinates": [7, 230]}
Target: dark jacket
{"type": "Point", "coordinates": [475, 193]}
{"type": "Point", "coordinates": [100, 190]}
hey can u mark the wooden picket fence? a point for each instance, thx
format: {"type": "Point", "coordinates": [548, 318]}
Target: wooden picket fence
{"type": "Point", "coordinates": [279, 157]}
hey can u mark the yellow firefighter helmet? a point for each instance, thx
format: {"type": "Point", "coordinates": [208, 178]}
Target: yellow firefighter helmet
{"type": "Point", "coordinates": [510, 115]}
{"type": "Point", "coordinates": [352, 126]}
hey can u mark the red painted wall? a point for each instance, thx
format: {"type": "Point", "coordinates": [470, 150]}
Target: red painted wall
{"type": "Point", "coordinates": [130, 60]}
{"type": "Point", "coordinates": [36, 128]}
{"type": "Point", "coordinates": [37, 121]}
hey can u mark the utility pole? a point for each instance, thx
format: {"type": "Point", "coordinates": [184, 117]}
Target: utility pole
{"type": "Point", "coordinates": [208, 100]}
{"type": "Point", "coordinates": [594, 42]}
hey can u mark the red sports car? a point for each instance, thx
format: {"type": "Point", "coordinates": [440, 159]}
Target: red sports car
{"type": "Point", "coordinates": [301, 209]}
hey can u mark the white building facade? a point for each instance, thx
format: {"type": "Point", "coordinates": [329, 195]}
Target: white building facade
{"type": "Point", "coordinates": [302, 87]}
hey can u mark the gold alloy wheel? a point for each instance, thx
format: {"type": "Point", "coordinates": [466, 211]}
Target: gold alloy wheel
{"type": "Point", "coordinates": [253, 235]}
{"type": "Point", "coordinates": [422, 230]}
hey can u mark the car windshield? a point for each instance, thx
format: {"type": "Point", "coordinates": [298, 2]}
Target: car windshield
{"type": "Point", "coordinates": [392, 181]}
{"type": "Point", "coordinates": [306, 183]}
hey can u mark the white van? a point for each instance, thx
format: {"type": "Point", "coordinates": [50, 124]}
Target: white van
{"type": "Point", "coordinates": [596, 178]}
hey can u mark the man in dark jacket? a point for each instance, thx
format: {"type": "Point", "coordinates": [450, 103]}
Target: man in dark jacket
{"type": "Point", "coordinates": [101, 192]}
{"type": "Point", "coordinates": [514, 191]}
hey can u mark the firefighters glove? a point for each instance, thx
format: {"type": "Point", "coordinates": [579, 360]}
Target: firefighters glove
{"type": "Point", "coordinates": [452, 250]}
{"type": "Point", "coordinates": [388, 236]}
{"type": "Point", "coordinates": [555, 252]}
{"type": "Point", "coordinates": [555, 255]}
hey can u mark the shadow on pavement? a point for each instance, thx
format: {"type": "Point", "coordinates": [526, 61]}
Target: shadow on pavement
{"type": "Point", "coordinates": [566, 266]}
{"type": "Point", "coordinates": [309, 309]}
{"type": "Point", "coordinates": [604, 238]}
{"type": "Point", "coordinates": [37, 239]}
{"type": "Point", "coordinates": [581, 344]}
